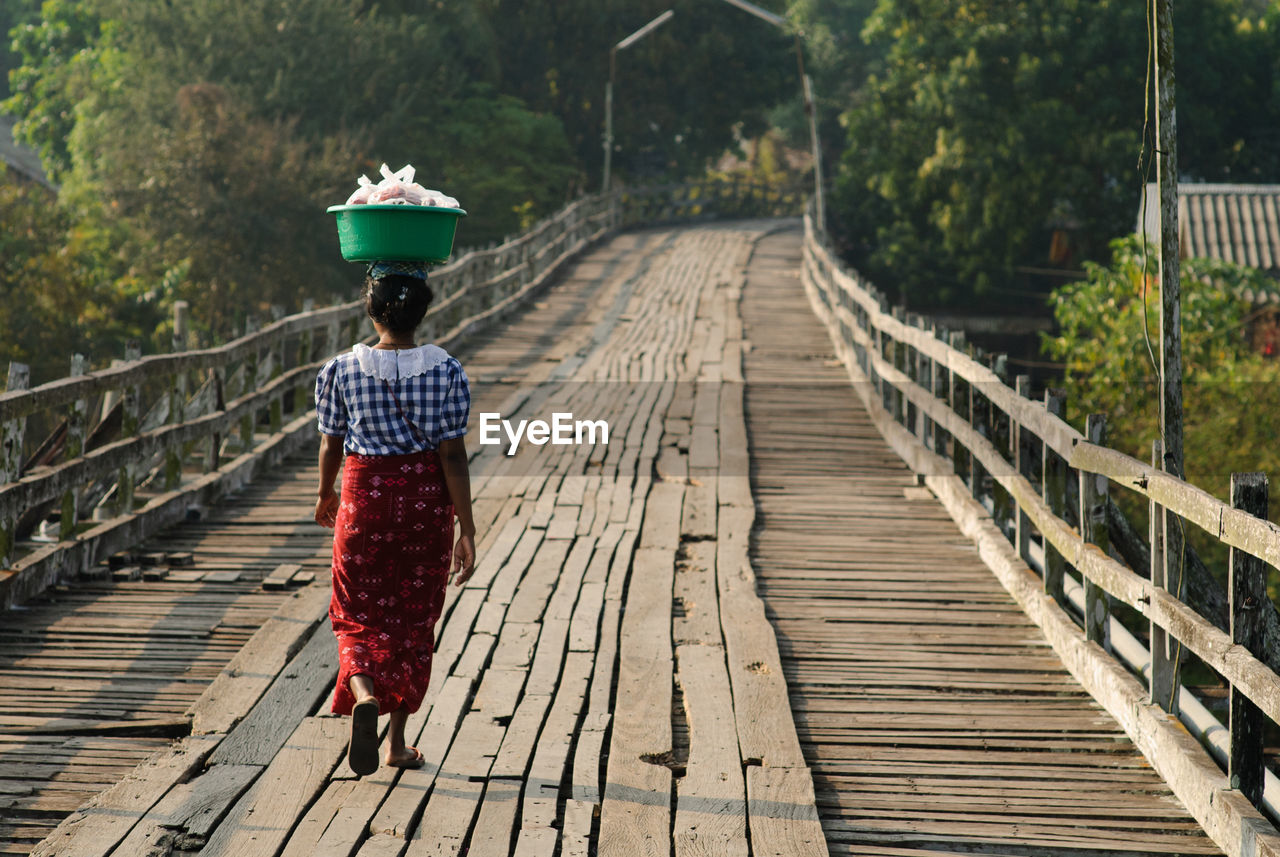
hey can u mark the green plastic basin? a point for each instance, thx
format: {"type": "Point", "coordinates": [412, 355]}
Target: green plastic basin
{"type": "Point", "coordinates": [402, 233]}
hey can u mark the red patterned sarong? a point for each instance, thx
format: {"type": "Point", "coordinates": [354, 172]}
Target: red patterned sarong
{"type": "Point", "coordinates": [392, 546]}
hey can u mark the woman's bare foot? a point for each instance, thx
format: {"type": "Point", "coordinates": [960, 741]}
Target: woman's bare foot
{"type": "Point", "coordinates": [406, 757]}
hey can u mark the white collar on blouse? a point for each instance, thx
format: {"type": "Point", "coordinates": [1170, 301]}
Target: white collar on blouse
{"type": "Point", "coordinates": [391, 365]}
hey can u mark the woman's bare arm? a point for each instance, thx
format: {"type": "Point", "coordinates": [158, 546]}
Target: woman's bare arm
{"type": "Point", "coordinates": [453, 458]}
{"type": "Point", "coordinates": [330, 461]}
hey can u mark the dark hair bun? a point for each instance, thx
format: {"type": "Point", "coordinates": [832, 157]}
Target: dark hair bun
{"type": "Point", "coordinates": [397, 302]}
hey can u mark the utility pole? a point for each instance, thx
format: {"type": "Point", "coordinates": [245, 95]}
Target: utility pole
{"type": "Point", "coordinates": [1170, 310]}
{"type": "Point", "coordinates": [1170, 288]}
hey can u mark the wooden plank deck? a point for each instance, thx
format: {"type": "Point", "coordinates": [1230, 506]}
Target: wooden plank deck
{"type": "Point", "coordinates": [97, 676]}
{"type": "Point", "coordinates": [934, 716]}
{"type": "Point", "coordinates": [608, 683]}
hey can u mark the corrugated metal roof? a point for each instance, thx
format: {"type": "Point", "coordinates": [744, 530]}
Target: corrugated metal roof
{"type": "Point", "coordinates": [1234, 222]}
{"type": "Point", "coordinates": [19, 158]}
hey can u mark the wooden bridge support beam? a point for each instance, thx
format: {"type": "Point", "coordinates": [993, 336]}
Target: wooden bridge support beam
{"type": "Point", "coordinates": [1247, 589]}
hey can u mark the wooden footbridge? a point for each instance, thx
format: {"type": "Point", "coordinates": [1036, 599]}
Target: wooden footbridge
{"type": "Point", "coordinates": [823, 590]}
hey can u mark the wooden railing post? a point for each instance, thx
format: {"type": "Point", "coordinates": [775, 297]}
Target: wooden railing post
{"type": "Point", "coordinates": [306, 348]}
{"type": "Point", "coordinates": [924, 378]}
{"type": "Point", "coordinates": [353, 333]}
{"type": "Point", "coordinates": [1173, 574]}
{"type": "Point", "coordinates": [275, 411]}
{"type": "Point", "coordinates": [12, 434]}
{"type": "Point", "coordinates": [873, 350]}
{"type": "Point", "coordinates": [213, 452]}
{"type": "Point", "coordinates": [1163, 679]}
{"type": "Point", "coordinates": [1093, 529]}
{"type": "Point", "coordinates": [898, 360]}
{"type": "Point", "coordinates": [129, 416]}
{"type": "Point", "coordinates": [975, 421]}
{"type": "Point", "coordinates": [959, 457]}
{"type": "Point", "coordinates": [939, 388]}
{"type": "Point", "coordinates": [1000, 426]}
{"type": "Point", "coordinates": [177, 395]}
{"type": "Point", "coordinates": [332, 338]}
{"type": "Point", "coordinates": [76, 418]}
{"type": "Point", "coordinates": [1020, 441]}
{"type": "Point", "coordinates": [1054, 490]}
{"type": "Point", "coordinates": [1247, 592]}
{"type": "Point", "coordinates": [248, 421]}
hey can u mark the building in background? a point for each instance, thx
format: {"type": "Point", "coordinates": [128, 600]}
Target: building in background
{"type": "Point", "coordinates": [17, 158]}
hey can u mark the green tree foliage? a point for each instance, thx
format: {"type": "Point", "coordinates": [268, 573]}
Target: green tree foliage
{"type": "Point", "coordinates": [990, 119]}
{"type": "Point", "coordinates": [839, 61]}
{"type": "Point", "coordinates": [232, 201]}
{"type": "Point", "coordinates": [1228, 88]}
{"type": "Point", "coordinates": [838, 58]}
{"type": "Point", "coordinates": [211, 136]}
{"type": "Point", "coordinates": [53, 60]}
{"type": "Point", "coordinates": [62, 288]}
{"type": "Point", "coordinates": [489, 144]}
{"type": "Point", "coordinates": [682, 93]}
{"type": "Point", "coordinates": [1231, 389]}
{"type": "Point", "coordinates": [13, 14]}
{"type": "Point", "coordinates": [993, 123]}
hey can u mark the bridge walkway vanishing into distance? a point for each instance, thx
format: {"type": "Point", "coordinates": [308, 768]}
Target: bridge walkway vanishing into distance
{"type": "Point", "coordinates": [743, 627]}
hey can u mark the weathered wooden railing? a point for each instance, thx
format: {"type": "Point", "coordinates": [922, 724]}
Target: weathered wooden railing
{"type": "Point", "coordinates": [1009, 468]}
{"type": "Point", "coordinates": [157, 452]}
{"type": "Point", "coordinates": [710, 198]}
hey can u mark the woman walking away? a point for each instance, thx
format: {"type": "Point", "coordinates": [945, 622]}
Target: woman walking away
{"type": "Point", "coordinates": [399, 411]}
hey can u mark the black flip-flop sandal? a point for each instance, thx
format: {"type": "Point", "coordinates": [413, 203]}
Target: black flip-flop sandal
{"type": "Point", "coordinates": [362, 754]}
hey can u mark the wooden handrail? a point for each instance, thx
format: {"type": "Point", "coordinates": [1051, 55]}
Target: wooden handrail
{"type": "Point", "coordinates": [882, 347]}
{"type": "Point", "coordinates": [1200, 636]}
{"type": "Point", "coordinates": [1255, 536]}
{"type": "Point", "coordinates": [255, 381]}
{"type": "Point", "coordinates": [1237, 529]}
{"type": "Point", "coordinates": [64, 391]}
{"type": "Point", "coordinates": [67, 390]}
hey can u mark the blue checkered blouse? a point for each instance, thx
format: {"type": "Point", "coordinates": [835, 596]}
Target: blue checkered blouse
{"type": "Point", "coordinates": [370, 396]}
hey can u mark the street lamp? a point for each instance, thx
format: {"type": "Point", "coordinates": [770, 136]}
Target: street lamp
{"type": "Point", "coordinates": [608, 88]}
{"type": "Point", "coordinates": [809, 106]}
